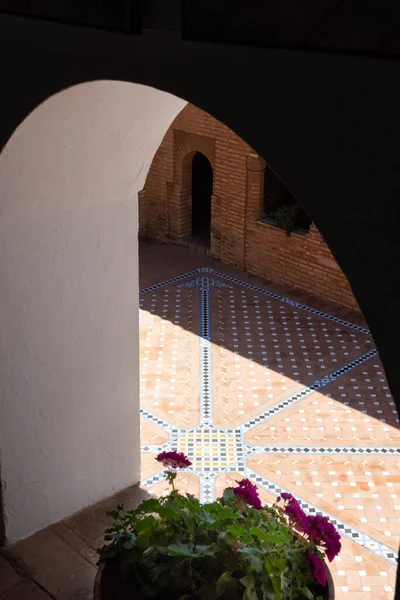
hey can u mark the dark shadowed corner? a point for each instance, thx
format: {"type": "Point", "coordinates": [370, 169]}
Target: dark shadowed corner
{"type": "Point", "coordinates": [2, 524]}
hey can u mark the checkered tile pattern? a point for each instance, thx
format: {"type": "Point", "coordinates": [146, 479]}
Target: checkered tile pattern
{"type": "Point", "coordinates": [212, 450]}
{"type": "Point", "coordinates": [343, 528]}
{"type": "Point", "coordinates": [261, 378]}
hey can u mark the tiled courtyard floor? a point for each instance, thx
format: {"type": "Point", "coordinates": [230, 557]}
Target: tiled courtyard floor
{"type": "Point", "coordinates": [252, 379]}
{"type": "Point", "coordinates": [249, 379]}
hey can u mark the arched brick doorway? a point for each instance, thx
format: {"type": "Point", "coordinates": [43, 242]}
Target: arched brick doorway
{"type": "Point", "coordinates": [202, 188]}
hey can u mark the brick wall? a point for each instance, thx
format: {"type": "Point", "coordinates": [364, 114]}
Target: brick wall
{"type": "Point", "coordinates": [238, 235]}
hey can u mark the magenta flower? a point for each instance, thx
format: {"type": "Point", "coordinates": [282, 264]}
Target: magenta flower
{"type": "Point", "coordinates": [318, 528]}
{"type": "Point", "coordinates": [286, 496]}
{"type": "Point", "coordinates": [247, 492]}
{"type": "Point", "coordinates": [295, 513]}
{"type": "Point", "coordinates": [323, 533]}
{"type": "Point", "coordinates": [319, 568]}
{"type": "Point", "coordinates": [175, 460]}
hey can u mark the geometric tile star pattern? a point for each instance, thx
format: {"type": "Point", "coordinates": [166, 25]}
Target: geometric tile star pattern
{"type": "Point", "coordinates": [249, 383]}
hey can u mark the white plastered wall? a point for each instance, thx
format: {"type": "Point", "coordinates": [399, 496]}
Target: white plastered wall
{"type": "Point", "coordinates": [69, 361]}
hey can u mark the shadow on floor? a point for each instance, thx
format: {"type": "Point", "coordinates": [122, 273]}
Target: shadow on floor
{"type": "Point", "coordinates": [291, 342]}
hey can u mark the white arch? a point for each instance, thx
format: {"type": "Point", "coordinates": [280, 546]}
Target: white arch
{"type": "Point", "coordinates": [69, 400]}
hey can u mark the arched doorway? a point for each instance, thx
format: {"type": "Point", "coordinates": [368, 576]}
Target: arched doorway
{"type": "Point", "coordinates": [339, 151]}
{"type": "Point", "coordinates": [202, 187]}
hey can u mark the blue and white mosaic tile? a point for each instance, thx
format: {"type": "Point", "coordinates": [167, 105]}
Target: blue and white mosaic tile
{"type": "Point", "coordinates": [214, 450]}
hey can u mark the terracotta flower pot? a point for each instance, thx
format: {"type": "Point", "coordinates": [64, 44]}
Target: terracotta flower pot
{"type": "Point", "coordinates": [109, 585]}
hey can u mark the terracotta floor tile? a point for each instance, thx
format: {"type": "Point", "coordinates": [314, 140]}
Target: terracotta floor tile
{"type": "Point", "coordinates": [25, 590]}
{"type": "Point", "coordinates": [361, 570]}
{"type": "Point", "coordinates": [185, 483]}
{"type": "Point", "coordinates": [321, 419]}
{"type": "Point", "coordinates": [319, 480]}
{"type": "Point", "coordinates": [152, 434]}
{"type": "Point", "coordinates": [8, 576]}
{"type": "Point", "coordinates": [169, 355]}
{"type": "Point", "coordinates": [55, 566]}
{"type": "Point", "coordinates": [225, 370]}
{"type": "Point", "coordinates": [149, 465]}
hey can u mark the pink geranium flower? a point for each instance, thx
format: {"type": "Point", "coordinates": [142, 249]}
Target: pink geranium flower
{"type": "Point", "coordinates": [175, 460]}
{"type": "Point", "coordinates": [295, 513]}
{"type": "Point", "coordinates": [247, 492]}
{"type": "Point", "coordinates": [319, 568]}
{"type": "Point", "coordinates": [323, 533]}
{"type": "Point", "coordinates": [287, 497]}
{"type": "Point", "coordinates": [318, 528]}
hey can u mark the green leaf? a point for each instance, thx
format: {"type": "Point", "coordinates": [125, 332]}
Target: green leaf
{"type": "Point", "coordinates": [226, 537]}
{"type": "Point", "coordinates": [253, 556]}
{"type": "Point", "coordinates": [206, 517]}
{"type": "Point", "coordinates": [272, 537]}
{"type": "Point", "coordinates": [113, 514]}
{"type": "Point", "coordinates": [145, 523]}
{"type": "Point", "coordinates": [166, 512]}
{"type": "Point", "coordinates": [223, 512]}
{"type": "Point", "coordinates": [180, 549]}
{"type": "Point", "coordinates": [228, 494]}
{"type": "Point", "coordinates": [130, 542]}
{"type": "Point", "coordinates": [274, 575]}
{"type": "Point", "coordinates": [225, 583]}
{"type": "Point", "coordinates": [279, 563]}
{"type": "Point", "coordinates": [285, 583]}
{"type": "Point", "coordinates": [193, 502]}
{"type": "Point", "coordinates": [250, 588]}
{"type": "Point", "coordinates": [306, 593]}
{"type": "Point", "coordinates": [204, 550]}
{"type": "Point", "coordinates": [143, 537]}
{"type": "Point", "coordinates": [189, 550]}
{"type": "Point", "coordinates": [267, 588]}
{"type": "Point", "coordinates": [151, 505]}
{"type": "Point", "coordinates": [237, 530]}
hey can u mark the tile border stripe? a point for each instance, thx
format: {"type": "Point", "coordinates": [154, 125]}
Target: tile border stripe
{"type": "Point", "coordinates": [308, 390]}
{"type": "Point", "coordinates": [153, 479]}
{"type": "Point", "coordinates": [280, 298]}
{"type": "Point", "coordinates": [206, 490]}
{"type": "Point", "coordinates": [334, 375]}
{"type": "Point", "coordinates": [149, 448]}
{"type": "Point", "coordinates": [162, 284]}
{"type": "Point", "coordinates": [328, 450]}
{"type": "Point", "coordinates": [155, 419]}
{"type": "Point", "coordinates": [259, 290]}
{"type": "Point", "coordinates": [344, 529]}
{"type": "Point", "coordinates": [205, 357]}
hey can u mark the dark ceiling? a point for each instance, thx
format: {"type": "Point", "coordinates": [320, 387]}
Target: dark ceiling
{"type": "Point", "coordinates": [369, 27]}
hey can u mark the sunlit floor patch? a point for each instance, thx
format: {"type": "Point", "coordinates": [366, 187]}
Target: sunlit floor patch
{"type": "Point", "coordinates": [238, 377]}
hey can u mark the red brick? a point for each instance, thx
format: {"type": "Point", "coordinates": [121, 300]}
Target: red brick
{"type": "Point", "coordinates": [238, 237]}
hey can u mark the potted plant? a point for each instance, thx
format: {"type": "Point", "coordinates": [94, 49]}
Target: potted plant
{"type": "Point", "coordinates": [174, 548]}
{"type": "Point", "coordinates": [286, 216]}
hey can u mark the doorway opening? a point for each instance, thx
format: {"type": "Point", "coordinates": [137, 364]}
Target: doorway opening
{"type": "Point", "coordinates": [202, 188]}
